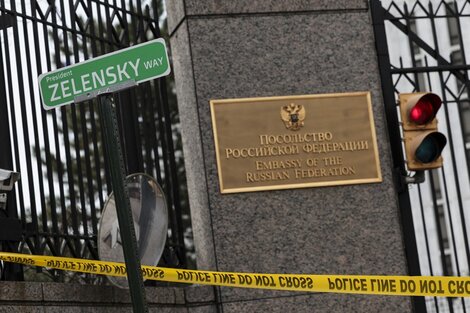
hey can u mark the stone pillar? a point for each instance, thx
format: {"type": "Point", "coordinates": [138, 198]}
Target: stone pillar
{"type": "Point", "coordinates": [246, 48]}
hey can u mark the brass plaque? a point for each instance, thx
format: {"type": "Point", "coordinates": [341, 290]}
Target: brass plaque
{"type": "Point", "coordinates": [295, 142]}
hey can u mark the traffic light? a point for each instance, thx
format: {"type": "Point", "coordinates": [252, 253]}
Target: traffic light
{"type": "Point", "coordinates": [423, 143]}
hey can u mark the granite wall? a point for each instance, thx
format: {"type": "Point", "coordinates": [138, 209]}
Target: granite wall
{"type": "Point", "coordinates": [35, 297]}
{"type": "Point", "coordinates": [246, 48]}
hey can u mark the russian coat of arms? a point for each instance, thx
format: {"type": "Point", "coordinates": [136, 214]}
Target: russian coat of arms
{"type": "Point", "coordinates": [293, 116]}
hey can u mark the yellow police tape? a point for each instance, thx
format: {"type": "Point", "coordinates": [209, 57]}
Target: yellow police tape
{"type": "Point", "coordinates": [353, 284]}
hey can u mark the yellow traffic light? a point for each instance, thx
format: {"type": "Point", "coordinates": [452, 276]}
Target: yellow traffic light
{"type": "Point", "coordinates": [423, 143]}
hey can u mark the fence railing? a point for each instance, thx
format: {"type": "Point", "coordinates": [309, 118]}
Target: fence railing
{"type": "Point", "coordinates": [429, 50]}
{"type": "Point", "coordinates": [59, 153]}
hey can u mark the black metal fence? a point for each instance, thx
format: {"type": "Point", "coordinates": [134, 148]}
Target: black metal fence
{"type": "Point", "coordinates": [428, 50]}
{"type": "Point", "coordinates": [59, 153]}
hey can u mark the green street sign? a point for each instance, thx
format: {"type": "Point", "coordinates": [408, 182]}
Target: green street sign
{"type": "Point", "coordinates": [86, 80]}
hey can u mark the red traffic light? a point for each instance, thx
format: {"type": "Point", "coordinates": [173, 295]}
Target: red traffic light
{"type": "Point", "coordinates": [423, 108]}
{"type": "Point", "coordinates": [423, 143]}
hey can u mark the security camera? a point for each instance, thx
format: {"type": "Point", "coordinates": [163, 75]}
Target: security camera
{"type": "Point", "coordinates": [8, 179]}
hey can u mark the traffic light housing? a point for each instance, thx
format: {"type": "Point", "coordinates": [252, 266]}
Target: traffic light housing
{"type": "Point", "coordinates": [423, 143]}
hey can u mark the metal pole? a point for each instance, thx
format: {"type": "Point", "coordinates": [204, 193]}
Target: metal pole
{"type": "Point", "coordinates": [126, 224]}
{"type": "Point", "coordinates": [411, 249]}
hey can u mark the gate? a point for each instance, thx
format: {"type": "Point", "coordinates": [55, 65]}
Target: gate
{"type": "Point", "coordinates": [424, 46]}
{"type": "Point", "coordinates": [58, 201]}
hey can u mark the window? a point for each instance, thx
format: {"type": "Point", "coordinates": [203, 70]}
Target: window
{"type": "Point", "coordinates": [452, 25]}
{"type": "Point", "coordinates": [421, 76]}
{"type": "Point", "coordinates": [464, 108]}
{"type": "Point", "coordinates": [437, 185]}
{"type": "Point", "coordinates": [456, 58]}
{"type": "Point", "coordinates": [442, 222]}
{"type": "Point", "coordinates": [414, 47]}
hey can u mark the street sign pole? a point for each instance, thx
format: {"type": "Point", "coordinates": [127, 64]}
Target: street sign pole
{"type": "Point", "coordinates": [101, 77]}
{"type": "Point", "coordinates": [123, 207]}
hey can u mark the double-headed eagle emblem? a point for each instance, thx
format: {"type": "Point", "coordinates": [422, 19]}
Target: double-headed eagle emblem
{"type": "Point", "coordinates": [293, 116]}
